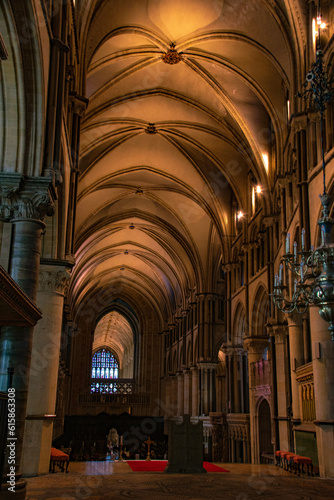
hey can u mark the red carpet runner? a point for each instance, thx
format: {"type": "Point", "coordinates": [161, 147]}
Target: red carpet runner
{"type": "Point", "coordinates": [159, 466]}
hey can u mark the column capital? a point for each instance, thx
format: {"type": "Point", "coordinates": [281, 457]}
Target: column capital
{"type": "Point", "coordinates": [53, 280]}
{"type": "Point", "coordinates": [209, 365]}
{"type": "Point", "coordinates": [256, 345]}
{"type": "Point", "coordinates": [299, 122]}
{"type": "Point", "coordinates": [79, 104]}
{"type": "Point", "coordinates": [23, 197]}
{"type": "Point", "coordinates": [278, 329]}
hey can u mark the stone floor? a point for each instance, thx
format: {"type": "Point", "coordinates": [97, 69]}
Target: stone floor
{"type": "Point", "coordinates": [99, 480]}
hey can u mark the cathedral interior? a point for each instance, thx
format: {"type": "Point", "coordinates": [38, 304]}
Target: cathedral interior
{"type": "Point", "coordinates": [159, 161]}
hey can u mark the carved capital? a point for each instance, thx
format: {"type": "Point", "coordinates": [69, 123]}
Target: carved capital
{"type": "Point", "coordinates": [54, 281]}
{"type": "Point", "coordinates": [299, 122]}
{"type": "Point", "coordinates": [256, 345]}
{"type": "Point", "coordinates": [207, 365]}
{"type": "Point", "coordinates": [78, 104]}
{"type": "Point", "coordinates": [25, 197]}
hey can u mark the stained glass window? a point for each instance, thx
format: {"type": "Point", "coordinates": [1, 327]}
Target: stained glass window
{"type": "Point", "coordinates": [104, 370]}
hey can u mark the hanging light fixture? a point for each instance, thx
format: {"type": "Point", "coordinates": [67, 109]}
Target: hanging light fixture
{"type": "Point", "coordinates": [314, 268]}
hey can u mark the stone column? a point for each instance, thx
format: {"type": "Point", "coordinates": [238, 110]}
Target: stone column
{"type": "Point", "coordinates": [167, 396]}
{"type": "Point", "coordinates": [236, 379]}
{"type": "Point", "coordinates": [296, 360]}
{"type": "Point", "coordinates": [194, 392]}
{"type": "Point", "coordinates": [282, 387]}
{"type": "Point", "coordinates": [255, 347]}
{"type": "Point", "coordinates": [173, 394]}
{"type": "Point", "coordinates": [323, 372]}
{"type": "Point", "coordinates": [187, 392]}
{"type": "Point", "coordinates": [180, 393]}
{"type": "Point", "coordinates": [42, 390]}
{"type": "Point", "coordinates": [24, 201]}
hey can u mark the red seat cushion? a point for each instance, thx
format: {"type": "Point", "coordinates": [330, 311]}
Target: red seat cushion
{"type": "Point", "coordinates": [59, 455]}
{"type": "Point", "coordinates": [302, 460]}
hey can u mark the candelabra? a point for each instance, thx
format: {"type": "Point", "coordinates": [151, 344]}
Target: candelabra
{"type": "Point", "coordinates": [314, 268]}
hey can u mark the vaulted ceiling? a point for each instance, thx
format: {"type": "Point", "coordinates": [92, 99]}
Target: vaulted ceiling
{"type": "Point", "coordinates": [186, 98]}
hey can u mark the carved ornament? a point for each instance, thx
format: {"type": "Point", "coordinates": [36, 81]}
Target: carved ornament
{"type": "Point", "coordinates": [171, 56]}
{"type": "Point", "coordinates": [25, 197]}
{"type": "Point", "coordinates": [54, 281]}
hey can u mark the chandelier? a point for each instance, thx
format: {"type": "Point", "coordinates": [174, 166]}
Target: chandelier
{"type": "Point", "coordinates": [312, 268]}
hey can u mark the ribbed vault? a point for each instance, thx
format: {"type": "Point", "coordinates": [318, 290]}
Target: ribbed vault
{"type": "Point", "coordinates": [186, 101]}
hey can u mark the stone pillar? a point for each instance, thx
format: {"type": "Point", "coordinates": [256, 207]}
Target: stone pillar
{"type": "Point", "coordinates": [323, 372]}
{"type": "Point", "coordinates": [282, 387]}
{"type": "Point", "coordinates": [205, 390]}
{"type": "Point", "coordinates": [187, 392]}
{"type": "Point", "coordinates": [255, 347]}
{"type": "Point", "coordinates": [167, 396]}
{"type": "Point", "coordinates": [180, 393]}
{"type": "Point", "coordinates": [236, 379]}
{"type": "Point", "coordinates": [194, 392]}
{"type": "Point", "coordinates": [44, 370]}
{"type": "Point", "coordinates": [296, 360]}
{"type": "Point", "coordinates": [173, 394]}
{"type": "Point", "coordinates": [24, 201]}
{"type": "Point", "coordinates": [306, 341]}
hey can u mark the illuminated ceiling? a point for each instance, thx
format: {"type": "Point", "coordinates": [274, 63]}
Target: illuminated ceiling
{"type": "Point", "coordinates": [185, 98]}
{"type": "Point", "coordinates": [114, 332]}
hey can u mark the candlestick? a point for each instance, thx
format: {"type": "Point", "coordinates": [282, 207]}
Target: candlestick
{"type": "Point", "coordinates": [301, 272]}
{"type": "Point", "coordinates": [295, 287]}
{"type": "Point", "coordinates": [280, 274]}
{"type": "Point", "coordinates": [287, 244]}
{"type": "Point", "coordinates": [303, 240]}
{"type": "Point", "coordinates": [295, 250]}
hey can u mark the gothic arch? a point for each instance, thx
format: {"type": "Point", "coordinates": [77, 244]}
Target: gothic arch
{"type": "Point", "coordinates": [260, 311]}
{"type": "Point", "coordinates": [239, 324]}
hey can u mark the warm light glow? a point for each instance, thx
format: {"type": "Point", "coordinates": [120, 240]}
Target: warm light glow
{"type": "Point", "coordinates": [240, 215]}
{"type": "Point", "coordinates": [314, 31]}
{"type": "Point", "coordinates": [265, 161]}
{"type": "Point", "coordinates": [288, 108]}
{"type": "Point", "coordinates": [258, 189]}
{"type": "Point", "coordinates": [323, 26]}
